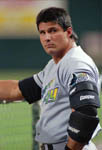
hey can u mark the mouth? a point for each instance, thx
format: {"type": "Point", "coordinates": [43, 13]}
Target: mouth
{"type": "Point", "coordinates": [50, 46]}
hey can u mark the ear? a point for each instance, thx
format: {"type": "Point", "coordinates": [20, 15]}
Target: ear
{"type": "Point", "coordinates": [69, 31]}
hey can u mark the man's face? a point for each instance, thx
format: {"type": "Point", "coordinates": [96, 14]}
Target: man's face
{"type": "Point", "coordinates": [53, 38]}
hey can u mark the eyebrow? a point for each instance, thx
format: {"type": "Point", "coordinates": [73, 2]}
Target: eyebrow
{"type": "Point", "coordinates": [50, 28]}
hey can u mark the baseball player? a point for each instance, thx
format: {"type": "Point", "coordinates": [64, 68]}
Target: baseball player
{"type": "Point", "coordinates": [67, 87]}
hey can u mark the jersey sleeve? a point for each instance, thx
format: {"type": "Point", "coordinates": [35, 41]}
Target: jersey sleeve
{"type": "Point", "coordinates": [83, 73]}
{"type": "Point", "coordinates": [39, 78]}
{"type": "Point", "coordinates": [31, 87]}
{"type": "Point", "coordinates": [77, 71]}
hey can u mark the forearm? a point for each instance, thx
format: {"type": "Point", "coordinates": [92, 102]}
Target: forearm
{"type": "Point", "coordinates": [9, 90]}
{"type": "Point", "coordinates": [72, 144]}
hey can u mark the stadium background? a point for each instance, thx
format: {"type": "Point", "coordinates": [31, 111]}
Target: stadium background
{"type": "Point", "coordinates": [22, 55]}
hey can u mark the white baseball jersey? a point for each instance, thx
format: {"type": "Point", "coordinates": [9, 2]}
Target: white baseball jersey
{"type": "Point", "coordinates": [55, 81]}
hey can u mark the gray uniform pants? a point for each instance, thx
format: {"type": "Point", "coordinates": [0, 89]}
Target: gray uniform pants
{"type": "Point", "coordinates": [61, 146]}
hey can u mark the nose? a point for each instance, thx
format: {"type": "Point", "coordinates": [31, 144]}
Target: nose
{"type": "Point", "coordinates": [47, 37]}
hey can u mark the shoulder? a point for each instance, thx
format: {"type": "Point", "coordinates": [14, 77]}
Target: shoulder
{"type": "Point", "coordinates": [50, 63]}
{"type": "Point", "coordinates": [77, 58]}
{"type": "Point", "coordinates": [79, 63]}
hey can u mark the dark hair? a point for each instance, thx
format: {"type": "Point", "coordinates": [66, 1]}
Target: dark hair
{"type": "Point", "coordinates": [57, 15]}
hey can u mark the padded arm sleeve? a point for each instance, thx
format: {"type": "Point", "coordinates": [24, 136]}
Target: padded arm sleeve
{"type": "Point", "coordinates": [84, 93]}
{"type": "Point", "coordinates": [81, 126]}
{"type": "Point", "coordinates": [30, 90]}
{"type": "Point", "coordinates": [84, 99]}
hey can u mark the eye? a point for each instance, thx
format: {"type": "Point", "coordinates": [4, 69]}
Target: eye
{"type": "Point", "coordinates": [42, 32]}
{"type": "Point", "coordinates": [52, 30]}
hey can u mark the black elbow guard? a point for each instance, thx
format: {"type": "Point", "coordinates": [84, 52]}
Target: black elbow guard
{"type": "Point", "coordinates": [82, 126]}
{"type": "Point", "coordinates": [84, 94]}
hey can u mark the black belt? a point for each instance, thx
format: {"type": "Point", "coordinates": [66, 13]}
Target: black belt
{"type": "Point", "coordinates": [50, 146]}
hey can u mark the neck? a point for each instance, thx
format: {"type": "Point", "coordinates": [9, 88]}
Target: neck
{"type": "Point", "coordinates": [60, 56]}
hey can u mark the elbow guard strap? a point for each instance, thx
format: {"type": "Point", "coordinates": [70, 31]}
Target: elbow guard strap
{"type": "Point", "coordinates": [81, 126]}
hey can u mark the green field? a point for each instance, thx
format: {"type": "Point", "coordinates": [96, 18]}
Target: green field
{"type": "Point", "coordinates": [15, 126]}
{"type": "Point", "coordinates": [16, 119]}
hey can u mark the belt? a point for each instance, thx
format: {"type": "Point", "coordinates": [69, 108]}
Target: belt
{"type": "Point", "coordinates": [49, 146]}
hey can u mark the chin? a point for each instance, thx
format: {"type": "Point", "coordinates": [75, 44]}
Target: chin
{"type": "Point", "coordinates": [51, 52]}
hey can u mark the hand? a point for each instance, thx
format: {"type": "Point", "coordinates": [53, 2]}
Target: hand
{"type": "Point", "coordinates": [74, 145]}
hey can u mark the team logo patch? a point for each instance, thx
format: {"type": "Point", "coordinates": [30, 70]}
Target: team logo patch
{"type": "Point", "coordinates": [79, 77]}
{"type": "Point", "coordinates": [49, 93]}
